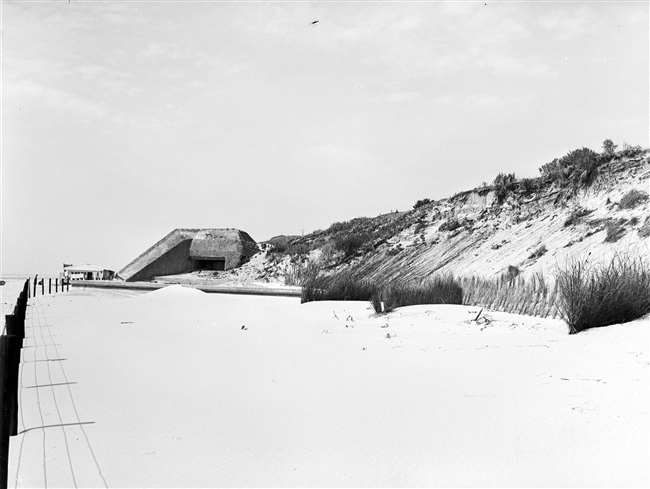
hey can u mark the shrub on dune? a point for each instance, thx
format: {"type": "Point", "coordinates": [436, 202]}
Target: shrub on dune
{"type": "Point", "coordinates": [510, 274]}
{"type": "Point", "coordinates": [593, 295]}
{"type": "Point", "coordinates": [615, 231]}
{"type": "Point", "coordinates": [632, 199]}
{"type": "Point", "coordinates": [540, 251]}
{"type": "Point", "coordinates": [644, 231]}
{"type": "Point", "coordinates": [351, 243]}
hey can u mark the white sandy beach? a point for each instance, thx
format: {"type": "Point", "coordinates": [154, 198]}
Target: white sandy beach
{"type": "Point", "coordinates": [178, 388]}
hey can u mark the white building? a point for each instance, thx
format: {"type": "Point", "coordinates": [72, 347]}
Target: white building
{"type": "Point", "coordinates": [87, 272]}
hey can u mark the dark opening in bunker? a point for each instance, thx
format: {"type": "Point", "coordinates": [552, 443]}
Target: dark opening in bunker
{"type": "Point", "coordinates": [210, 264]}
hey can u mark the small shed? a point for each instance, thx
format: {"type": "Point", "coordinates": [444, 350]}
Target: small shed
{"type": "Point", "coordinates": [87, 272]}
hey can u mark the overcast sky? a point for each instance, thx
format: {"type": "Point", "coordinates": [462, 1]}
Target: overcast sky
{"type": "Point", "coordinates": [122, 120]}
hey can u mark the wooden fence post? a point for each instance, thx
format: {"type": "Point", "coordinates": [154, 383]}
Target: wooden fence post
{"type": "Point", "coordinates": [4, 405]}
{"type": "Point", "coordinates": [19, 310]}
{"type": "Point", "coordinates": [23, 305]}
{"type": "Point", "coordinates": [13, 327]}
{"type": "Point", "coordinates": [9, 358]}
{"type": "Point", "coordinates": [14, 361]}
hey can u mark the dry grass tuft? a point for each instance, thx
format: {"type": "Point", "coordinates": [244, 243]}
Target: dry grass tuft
{"type": "Point", "coordinates": [592, 295]}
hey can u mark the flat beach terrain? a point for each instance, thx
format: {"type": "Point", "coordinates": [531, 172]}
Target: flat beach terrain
{"type": "Point", "coordinates": [179, 388]}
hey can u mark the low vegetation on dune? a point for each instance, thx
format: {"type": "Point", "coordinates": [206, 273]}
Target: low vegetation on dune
{"type": "Point", "coordinates": [341, 242]}
{"type": "Point", "coordinates": [383, 259]}
{"type": "Point", "coordinates": [509, 292]}
{"type": "Point", "coordinates": [349, 241]}
{"type": "Point", "coordinates": [583, 295]}
{"type": "Point", "coordinates": [577, 169]}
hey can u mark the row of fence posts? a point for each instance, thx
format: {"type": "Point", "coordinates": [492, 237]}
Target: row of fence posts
{"type": "Point", "coordinates": [64, 284]}
{"type": "Point", "coordinates": [10, 345]}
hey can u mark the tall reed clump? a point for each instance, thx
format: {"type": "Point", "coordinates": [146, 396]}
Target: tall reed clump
{"type": "Point", "coordinates": [345, 287]}
{"type": "Point", "coordinates": [339, 287]}
{"type": "Point", "coordinates": [592, 295]}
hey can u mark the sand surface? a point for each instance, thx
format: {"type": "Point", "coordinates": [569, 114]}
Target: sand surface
{"type": "Point", "coordinates": [178, 388]}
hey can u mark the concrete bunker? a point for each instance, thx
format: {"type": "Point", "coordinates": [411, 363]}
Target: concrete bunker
{"type": "Point", "coordinates": [188, 250]}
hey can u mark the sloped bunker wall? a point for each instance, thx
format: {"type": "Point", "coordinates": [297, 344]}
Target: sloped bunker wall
{"type": "Point", "coordinates": [176, 260]}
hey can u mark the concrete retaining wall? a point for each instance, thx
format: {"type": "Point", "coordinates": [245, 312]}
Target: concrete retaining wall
{"type": "Point", "coordinates": [217, 289]}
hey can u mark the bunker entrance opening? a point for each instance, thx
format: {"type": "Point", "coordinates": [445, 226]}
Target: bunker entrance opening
{"type": "Point", "coordinates": [210, 264]}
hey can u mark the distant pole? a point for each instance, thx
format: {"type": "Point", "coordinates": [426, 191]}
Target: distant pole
{"type": "Point", "coordinates": [29, 289]}
{"type": "Point", "coordinates": [56, 285]}
{"type": "Point", "coordinates": [35, 283]}
{"type": "Point", "coordinates": [49, 281]}
{"type": "Point", "coordinates": [42, 286]}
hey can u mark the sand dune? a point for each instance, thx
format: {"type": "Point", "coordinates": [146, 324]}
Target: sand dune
{"type": "Point", "coordinates": [178, 388]}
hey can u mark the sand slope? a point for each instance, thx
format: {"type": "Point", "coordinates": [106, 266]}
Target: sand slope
{"type": "Point", "coordinates": [485, 239]}
{"type": "Point", "coordinates": [323, 394]}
